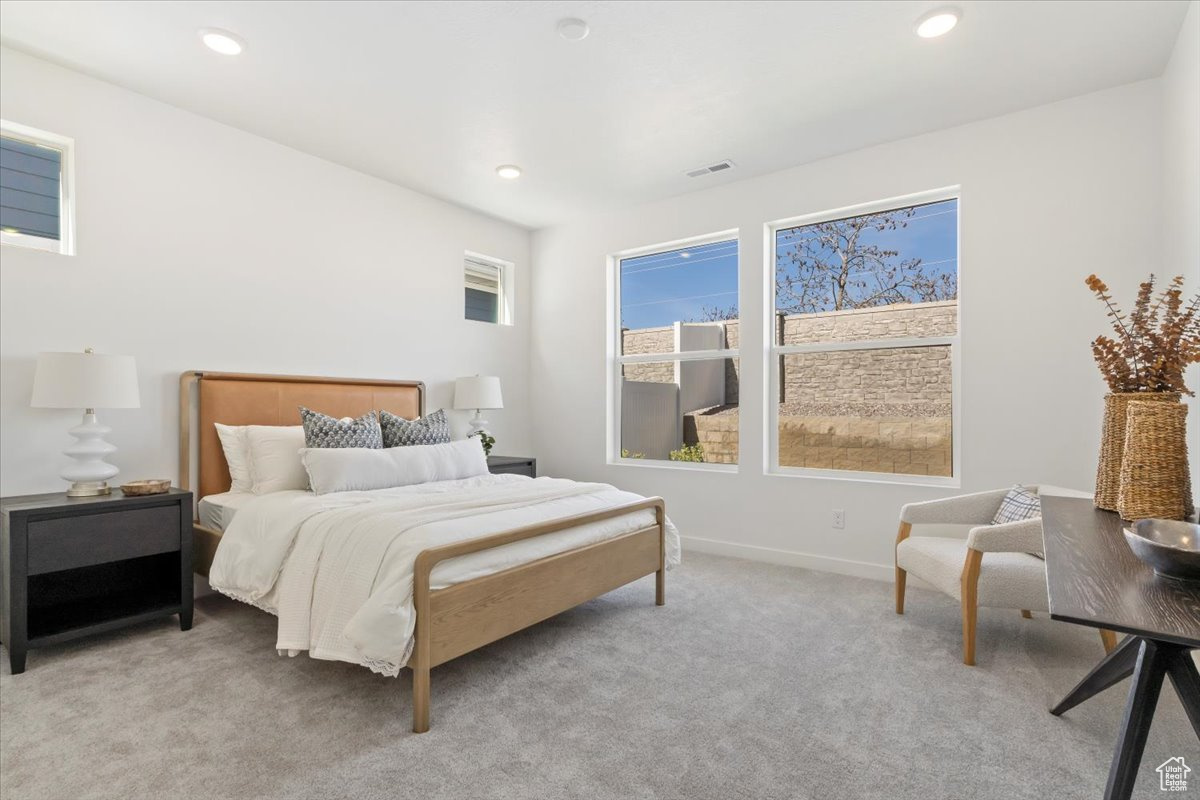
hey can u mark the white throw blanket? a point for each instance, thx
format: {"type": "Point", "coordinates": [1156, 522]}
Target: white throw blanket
{"type": "Point", "coordinates": [337, 569]}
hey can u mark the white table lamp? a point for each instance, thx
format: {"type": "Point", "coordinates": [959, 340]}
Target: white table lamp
{"type": "Point", "coordinates": [479, 392]}
{"type": "Point", "coordinates": [89, 381]}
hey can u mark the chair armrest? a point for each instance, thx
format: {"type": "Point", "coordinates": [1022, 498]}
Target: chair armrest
{"type": "Point", "coordinates": [967, 509]}
{"type": "Point", "coordinates": [1024, 536]}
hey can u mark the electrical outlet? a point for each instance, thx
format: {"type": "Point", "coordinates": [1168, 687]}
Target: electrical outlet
{"type": "Point", "coordinates": [839, 519]}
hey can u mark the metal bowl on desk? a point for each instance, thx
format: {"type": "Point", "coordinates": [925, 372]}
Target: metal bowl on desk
{"type": "Point", "coordinates": [1171, 547]}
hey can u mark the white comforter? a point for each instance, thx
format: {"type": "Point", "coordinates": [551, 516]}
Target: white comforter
{"type": "Point", "coordinates": [337, 569]}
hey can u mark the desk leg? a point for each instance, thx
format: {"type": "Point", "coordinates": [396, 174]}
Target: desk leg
{"type": "Point", "coordinates": [1139, 713]}
{"type": "Point", "coordinates": [1183, 674]}
{"type": "Point", "coordinates": [1116, 667]}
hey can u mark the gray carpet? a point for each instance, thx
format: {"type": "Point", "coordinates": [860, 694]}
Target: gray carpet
{"type": "Point", "coordinates": [755, 681]}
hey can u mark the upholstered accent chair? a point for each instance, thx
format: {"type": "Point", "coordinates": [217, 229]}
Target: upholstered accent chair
{"type": "Point", "coordinates": [996, 566]}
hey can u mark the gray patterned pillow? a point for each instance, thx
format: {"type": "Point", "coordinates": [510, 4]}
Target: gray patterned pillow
{"type": "Point", "coordinates": [1019, 504]}
{"type": "Point", "coordinates": [322, 430]}
{"type": "Point", "coordinates": [400, 432]}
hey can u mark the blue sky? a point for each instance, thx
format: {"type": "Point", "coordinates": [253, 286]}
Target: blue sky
{"type": "Point", "coordinates": [663, 288]}
{"type": "Point", "coordinates": [679, 284]}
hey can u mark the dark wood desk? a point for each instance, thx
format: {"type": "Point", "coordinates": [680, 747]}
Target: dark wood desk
{"type": "Point", "coordinates": [1094, 579]}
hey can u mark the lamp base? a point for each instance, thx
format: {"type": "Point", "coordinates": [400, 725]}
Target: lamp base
{"type": "Point", "coordinates": [478, 423]}
{"type": "Point", "coordinates": [89, 489]}
{"type": "Point", "coordinates": [88, 474]}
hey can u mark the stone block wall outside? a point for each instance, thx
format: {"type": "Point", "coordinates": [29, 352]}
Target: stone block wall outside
{"type": "Point", "coordinates": [649, 340]}
{"type": "Point", "coordinates": [898, 376]}
{"type": "Point", "coordinates": [870, 410]}
{"type": "Point", "coordinates": [716, 433]}
{"type": "Point", "coordinates": [920, 446]}
{"type": "Point", "coordinates": [867, 444]}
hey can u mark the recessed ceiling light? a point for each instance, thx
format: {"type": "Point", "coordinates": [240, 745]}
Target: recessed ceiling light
{"type": "Point", "coordinates": [223, 42]}
{"type": "Point", "coordinates": [572, 29]}
{"type": "Point", "coordinates": [685, 254]}
{"type": "Point", "coordinates": [508, 171]}
{"type": "Point", "coordinates": [937, 23]}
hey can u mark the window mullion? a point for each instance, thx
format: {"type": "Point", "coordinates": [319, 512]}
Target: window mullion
{"type": "Point", "coordinates": [686, 355]}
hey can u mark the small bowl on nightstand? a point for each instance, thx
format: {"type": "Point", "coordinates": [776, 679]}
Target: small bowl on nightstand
{"type": "Point", "coordinates": [137, 488]}
{"type": "Point", "coordinates": [1172, 548]}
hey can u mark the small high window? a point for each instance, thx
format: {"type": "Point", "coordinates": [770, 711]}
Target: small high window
{"type": "Point", "coordinates": [36, 198]}
{"type": "Point", "coordinates": [488, 289]}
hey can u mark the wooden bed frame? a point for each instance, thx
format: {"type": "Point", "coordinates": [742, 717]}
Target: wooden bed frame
{"type": "Point", "coordinates": [457, 619]}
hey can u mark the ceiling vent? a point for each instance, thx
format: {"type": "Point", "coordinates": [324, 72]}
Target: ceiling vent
{"type": "Point", "coordinates": [720, 166]}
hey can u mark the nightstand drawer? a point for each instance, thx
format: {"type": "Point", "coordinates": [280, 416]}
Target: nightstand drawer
{"type": "Point", "coordinates": [512, 465]}
{"type": "Point", "coordinates": [70, 542]}
{"type": "Point", "coordinates": [511, 469]}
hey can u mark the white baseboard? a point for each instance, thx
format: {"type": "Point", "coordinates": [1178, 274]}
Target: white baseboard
{"type": "Point", "coordinates": [841, 566]}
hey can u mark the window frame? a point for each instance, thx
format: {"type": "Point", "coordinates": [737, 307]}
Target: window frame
{"type": "Point", "coordinates": [615, 360]}
{"type": "Point", "coordinates": [505, 309]}
{"type": "Point", "coordinates": [65, 243]}
{"type": "Point", "coordinates": [774, 351]}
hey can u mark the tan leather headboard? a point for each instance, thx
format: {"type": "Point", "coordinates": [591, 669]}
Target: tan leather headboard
{"type": "Point", "coordinates": [242, 399]}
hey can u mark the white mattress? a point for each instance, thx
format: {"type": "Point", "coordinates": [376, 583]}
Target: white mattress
{"type": "Point", "coordinates": [217, 510]}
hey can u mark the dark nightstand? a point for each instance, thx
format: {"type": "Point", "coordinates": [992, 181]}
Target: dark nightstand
{"type": "Point", "coordinates": [82, 565]}
{"type": "Point", "coordinates": [514, 465]}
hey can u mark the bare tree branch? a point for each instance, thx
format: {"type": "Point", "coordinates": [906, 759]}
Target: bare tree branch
{"type": "Point", "coordinates": [832, 268]}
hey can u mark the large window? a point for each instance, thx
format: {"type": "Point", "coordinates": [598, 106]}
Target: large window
{"type": "Point", "coordinates": [674, 354]}
{"type": "Point", "coordinates": [863, 342]}
{"type": "Point", "coordinates": [488, 289]}
{"type": "Point", "coordinates": [36, 205]}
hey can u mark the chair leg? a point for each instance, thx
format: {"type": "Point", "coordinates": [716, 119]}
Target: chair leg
{"type": "Point", "coordinates": [1026, 613]}
{"type": "Point", "coordinates": [901, 575]}
{"type": "Point", "coordinates": [1109, 639]}
{"type": "Point", "coordinates": [970, 603]}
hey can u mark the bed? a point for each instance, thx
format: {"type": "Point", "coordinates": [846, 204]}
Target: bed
{"type": "Point", "coordinates": [450, 618]}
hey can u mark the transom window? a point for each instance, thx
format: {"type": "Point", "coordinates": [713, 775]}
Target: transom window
{"type": "Point", "coordinates": [862, 355]}
{"type": "Point", "coordinates": [675, 346]}
{"type": "Point", "coordinates": [488, 289]}
{"type": "Point", "coordinates": [36, 198]}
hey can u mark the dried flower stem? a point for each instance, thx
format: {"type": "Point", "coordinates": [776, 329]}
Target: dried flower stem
{"type": "Point", "coordinates": [1154, 344]}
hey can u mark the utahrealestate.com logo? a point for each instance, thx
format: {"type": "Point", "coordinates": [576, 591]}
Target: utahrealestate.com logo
{"type": "Point", "coordinates": [1173, 775]}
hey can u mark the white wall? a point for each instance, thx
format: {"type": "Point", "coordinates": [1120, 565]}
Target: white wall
{"type": "Point", "coordinates": [203, 247]}
{"type": "Point", "coordinates": [1181, 184]}
{"type": "Point", "coordinates": [1049, 195]}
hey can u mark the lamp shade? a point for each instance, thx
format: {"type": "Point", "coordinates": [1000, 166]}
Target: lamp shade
{"type": "Point", "coordinates": [85, 380]}
{"type": "Point", "coordinates": [478, 391]}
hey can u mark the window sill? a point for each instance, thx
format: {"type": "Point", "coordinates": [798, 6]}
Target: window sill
{"type": "Point", "coordinates": [895, 479]}
{"type": "Point", "coordinates": [488, 322]}
{"type": "Point", "coordinates": [37, 243]}
{"type": "Point", "coordinates": [691, 466]}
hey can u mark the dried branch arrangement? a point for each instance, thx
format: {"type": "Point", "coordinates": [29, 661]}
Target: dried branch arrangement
{"type": "Point", "coordinates": [1153, 344]}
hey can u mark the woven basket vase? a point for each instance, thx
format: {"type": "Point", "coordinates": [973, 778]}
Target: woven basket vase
{"type": "Point", "coordinates": [1112, 441]}
{"type": "Point", "coordinates": [1154, 470]}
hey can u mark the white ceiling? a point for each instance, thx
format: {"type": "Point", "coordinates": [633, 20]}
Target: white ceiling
{"type": "Point", "coordinates": [435, 95]}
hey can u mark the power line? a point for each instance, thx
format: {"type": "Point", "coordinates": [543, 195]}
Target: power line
{"type": "Point", "coordinates": [675, 299]}
{"type": "Point", "coordinates": [700, 248]}
{"type": "Point", "coordinates": [673, 256]}
{"type": "Point", "coordinates": [686, 263]}
{"type": "Point", "coordinates": [910, 219]}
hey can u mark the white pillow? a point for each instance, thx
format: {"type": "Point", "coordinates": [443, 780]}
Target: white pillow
{"type": "Point", "coordinates": [273, 457]}
{"type": "Point", "coordinates": [349, 469]}
{"type": "Point", "coordinates": [233, 442]}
